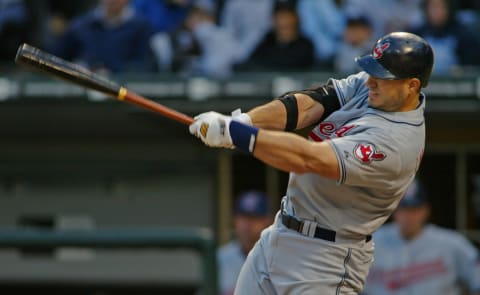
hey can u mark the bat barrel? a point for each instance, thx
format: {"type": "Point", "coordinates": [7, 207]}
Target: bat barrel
{"type": "Point", "coordinates": [51, 64]}
{"type": "Point", "coordinates": [74, 73]}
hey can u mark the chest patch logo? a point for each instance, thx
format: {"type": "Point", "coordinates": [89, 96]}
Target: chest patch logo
{"type": "Point", "coordinates": [379, 49]}
{"type": "Point", "coordinates": [367, 152]}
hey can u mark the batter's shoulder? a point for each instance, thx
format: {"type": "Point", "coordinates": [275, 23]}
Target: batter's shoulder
{"type": "Point", "coordinates": [350, 88]}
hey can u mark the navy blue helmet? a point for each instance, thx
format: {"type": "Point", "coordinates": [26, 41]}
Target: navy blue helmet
{"type": "Point", "coordinates": [399, 55]}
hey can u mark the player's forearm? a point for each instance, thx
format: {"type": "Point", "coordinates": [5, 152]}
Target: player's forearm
{"type": "Point", "coordinates": [292, 153]}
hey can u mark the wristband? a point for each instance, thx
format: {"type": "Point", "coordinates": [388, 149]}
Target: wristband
{"type": "Point", "coordinates": [244, 137]}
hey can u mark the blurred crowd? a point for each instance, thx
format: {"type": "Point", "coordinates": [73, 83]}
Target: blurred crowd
{"type": "Point", "coordinates": [218, 38]}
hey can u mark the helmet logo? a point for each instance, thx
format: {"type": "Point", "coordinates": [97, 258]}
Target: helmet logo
{"type": "Point", "coordinates": [379, 49]}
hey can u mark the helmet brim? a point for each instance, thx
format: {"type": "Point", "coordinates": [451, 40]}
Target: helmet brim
{"type": "Point", "coordinates": [372, 67]}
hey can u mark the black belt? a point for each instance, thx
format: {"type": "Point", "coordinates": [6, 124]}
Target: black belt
{"type": "Point", "coordinates": [320, 233]}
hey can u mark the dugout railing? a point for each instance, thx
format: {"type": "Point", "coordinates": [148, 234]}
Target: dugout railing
{"type": "Point", "coordinates": [199, 240]}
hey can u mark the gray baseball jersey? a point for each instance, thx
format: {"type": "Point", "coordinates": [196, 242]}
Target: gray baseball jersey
{"type": "Point", "coordinates": [379, 154]}
{"type": "Point", "coordinates": [436, 262]}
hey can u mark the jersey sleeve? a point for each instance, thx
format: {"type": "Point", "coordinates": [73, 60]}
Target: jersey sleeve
{"type": "Point", "coordinates": [367, 159]}
{"type": "Point", "coordinates": [468, 264]}
{"type": "Point", "coordinates": [353, 85]}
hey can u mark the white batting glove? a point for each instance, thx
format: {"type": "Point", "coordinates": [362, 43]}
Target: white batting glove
{"type": "Point", "coordinates": [213, 128]}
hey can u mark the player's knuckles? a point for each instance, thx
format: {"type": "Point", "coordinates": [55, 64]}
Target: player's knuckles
{"type": "Point", "coordinates": [202, 116]}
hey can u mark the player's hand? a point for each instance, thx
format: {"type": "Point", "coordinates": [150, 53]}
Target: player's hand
{"type": "Point", "coordinates": [212, 129]}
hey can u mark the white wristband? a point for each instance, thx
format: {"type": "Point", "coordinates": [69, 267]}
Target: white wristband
{"type": "Point", "coordinates": [243, 118]}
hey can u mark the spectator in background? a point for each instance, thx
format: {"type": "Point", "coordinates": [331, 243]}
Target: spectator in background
{"type": "Point", "coordinates": [164, 15]}
{"type": "Point", "coordinates": [387, 15]}
{"type": "Point", "coordinates": [412, 257]}
{"type": "Point", "coordinates": [252, 215]}
{"type": "Point", "coordinates": [59, 14]}
{"type": "Point", "coordinates": [323, 22]}
{"type": "Point", "coordinates": [13, 28]}
{"type": "Point", "coordinates": [284, 48]}
{"type": "Point", "coordinates": [247, 21]}
{"type": "Point", "coordinates": [199, 47]}
{"type": "Point", "coordinates": [357, 41]}
{"type": "Point", "coordinates": [111, 38]}
{"type": "Point", "coordinates": [453, 43]}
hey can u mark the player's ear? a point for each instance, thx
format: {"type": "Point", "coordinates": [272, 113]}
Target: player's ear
{"type": "Point", "coordinates": [415, 85]}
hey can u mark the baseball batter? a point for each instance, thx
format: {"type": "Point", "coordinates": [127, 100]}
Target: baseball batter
{"type": "Point", "coordinates": [413, 257]}
{"type": "Point", "coordinates": [346, 178]}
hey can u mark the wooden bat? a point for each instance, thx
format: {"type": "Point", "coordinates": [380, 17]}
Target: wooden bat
{"type": "Point", "coordinates": [74, 73]}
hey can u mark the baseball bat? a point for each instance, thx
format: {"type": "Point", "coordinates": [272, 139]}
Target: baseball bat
{"type": "Point", "coordinates": [74, 73]}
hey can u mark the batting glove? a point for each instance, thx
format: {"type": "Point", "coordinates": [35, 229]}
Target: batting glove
{"type": "Point", "coordinates": [213, 128]}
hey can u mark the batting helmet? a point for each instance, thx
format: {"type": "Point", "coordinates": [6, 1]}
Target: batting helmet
{"type": "Point", "coordinates": [399, 55]}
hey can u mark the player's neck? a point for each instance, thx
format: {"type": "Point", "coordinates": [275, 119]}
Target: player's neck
{"type": "Point", "coordinates": [411, 103]}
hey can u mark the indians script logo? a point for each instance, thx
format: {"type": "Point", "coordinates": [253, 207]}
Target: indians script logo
{"type": "Point", "coordinates": [326, 130]}
{"type": "Point", "coordinates": [367, 152]}
{"type": "Point", "coordinates": [379, 49]}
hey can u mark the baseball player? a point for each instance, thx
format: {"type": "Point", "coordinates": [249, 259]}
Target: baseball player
{"type": "Point", "coordinates": [346, 178]}
{"type": "Point", "coordinates": [415, 258]}
{"type": "Point", "coordinates": [252, 215]}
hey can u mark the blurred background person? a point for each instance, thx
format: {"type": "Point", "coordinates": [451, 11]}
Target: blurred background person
{"type": "Point", "coordinates": [387, 15]}
{"type": "Point", "coordinates": [453, 43]}
{"type": "Point", "coordinates": [55, 16]}
{"type": "Point", "coordinates": [284, 48]}
{"type": "Point", "coordinates": [14, 26]}
{"type": "Point", "coordinates": [356, 41]}
{"type": "Point", "coordinates": [247, 21]}
{"type": "Point", "coordinates": [111, 38]}
{"type": "Point", "coordinates": [199, 46]}
{"type": "Point", "coordinates": [251, 216]}
{"type": "Point", "coordinates": [414, 257]}
{"type": "Point", "coordinates": [163, 15]}
{"type": "Point", "coordinates": [323, 22]}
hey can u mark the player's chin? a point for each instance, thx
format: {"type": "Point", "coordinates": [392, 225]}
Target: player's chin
{"type": "Point", "coordinates": [376, 104]}
{"type": "Point", "coordinates": [373, 101]}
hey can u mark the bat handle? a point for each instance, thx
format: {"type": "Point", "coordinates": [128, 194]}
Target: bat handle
{"type": "Point", "coordinates": [126, 95]}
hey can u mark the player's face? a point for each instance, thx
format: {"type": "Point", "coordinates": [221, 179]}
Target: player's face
{"type": "Point", "coordinates": [248, 229]}
{"type": "Point", "coordinates": [389, 95]}
{"type": "Point", "coordinates": [411, 220]}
